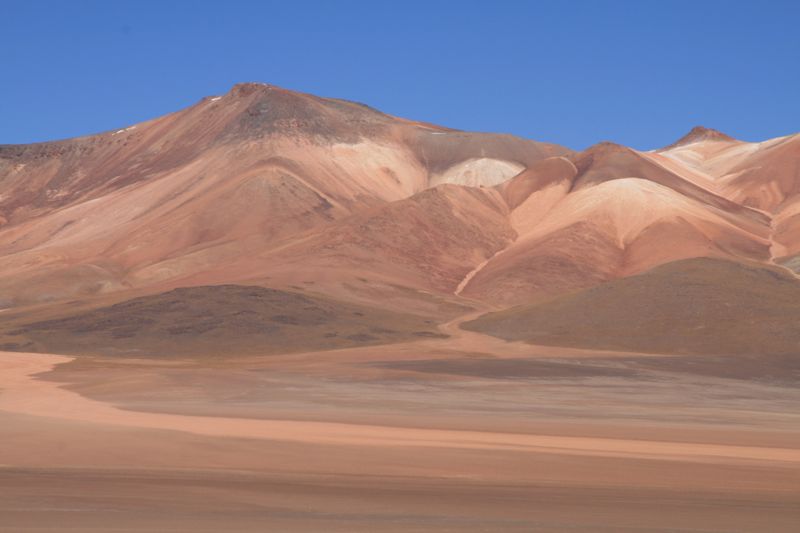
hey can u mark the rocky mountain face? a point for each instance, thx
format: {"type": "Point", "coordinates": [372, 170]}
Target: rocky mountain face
{"type": "Point", "coordinates": [316, 196]}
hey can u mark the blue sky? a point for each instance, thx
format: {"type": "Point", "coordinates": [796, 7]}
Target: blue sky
{"type": "Point", "coordinates": [572, 72]}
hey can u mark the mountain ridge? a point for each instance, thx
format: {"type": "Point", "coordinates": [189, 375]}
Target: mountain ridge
{"type": "Point", "coordinates": [269, 187]}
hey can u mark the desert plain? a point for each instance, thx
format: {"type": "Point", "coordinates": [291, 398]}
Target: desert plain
{"type": "Point", "coordinates": [461, 434]}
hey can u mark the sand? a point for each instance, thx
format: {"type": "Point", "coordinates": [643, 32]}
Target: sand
{"type": "Point", "coordinates": [358, 440]}
{"type": "Point", "coordinates": [24, 395]}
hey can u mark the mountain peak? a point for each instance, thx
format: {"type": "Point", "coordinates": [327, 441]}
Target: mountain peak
{"type": "Point", "coordinates": [251, 87]}
{"type": "Point", "coordinates": [701, 133]}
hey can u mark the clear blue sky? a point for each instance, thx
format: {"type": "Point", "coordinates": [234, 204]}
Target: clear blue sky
{"type": "Point", "coordinates": [638, 72]}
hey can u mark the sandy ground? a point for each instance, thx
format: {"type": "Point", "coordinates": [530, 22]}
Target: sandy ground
{"type": "Point", "coordinates": [393, 438]}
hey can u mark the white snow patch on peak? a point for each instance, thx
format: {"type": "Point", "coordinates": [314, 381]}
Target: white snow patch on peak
{"type": "Point", "coordinates": [129, 128]}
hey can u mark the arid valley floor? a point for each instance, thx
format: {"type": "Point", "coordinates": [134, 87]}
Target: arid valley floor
{"type": "Point", "coordinates": [464, 434]}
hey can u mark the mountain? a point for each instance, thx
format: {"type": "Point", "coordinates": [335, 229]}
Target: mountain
{"type": "Point", "coordinates": [691, 307]}
{"type": "Point", "coordinates": [216, 186]}
{"type": "Point", "coordinates": [338, 203]}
